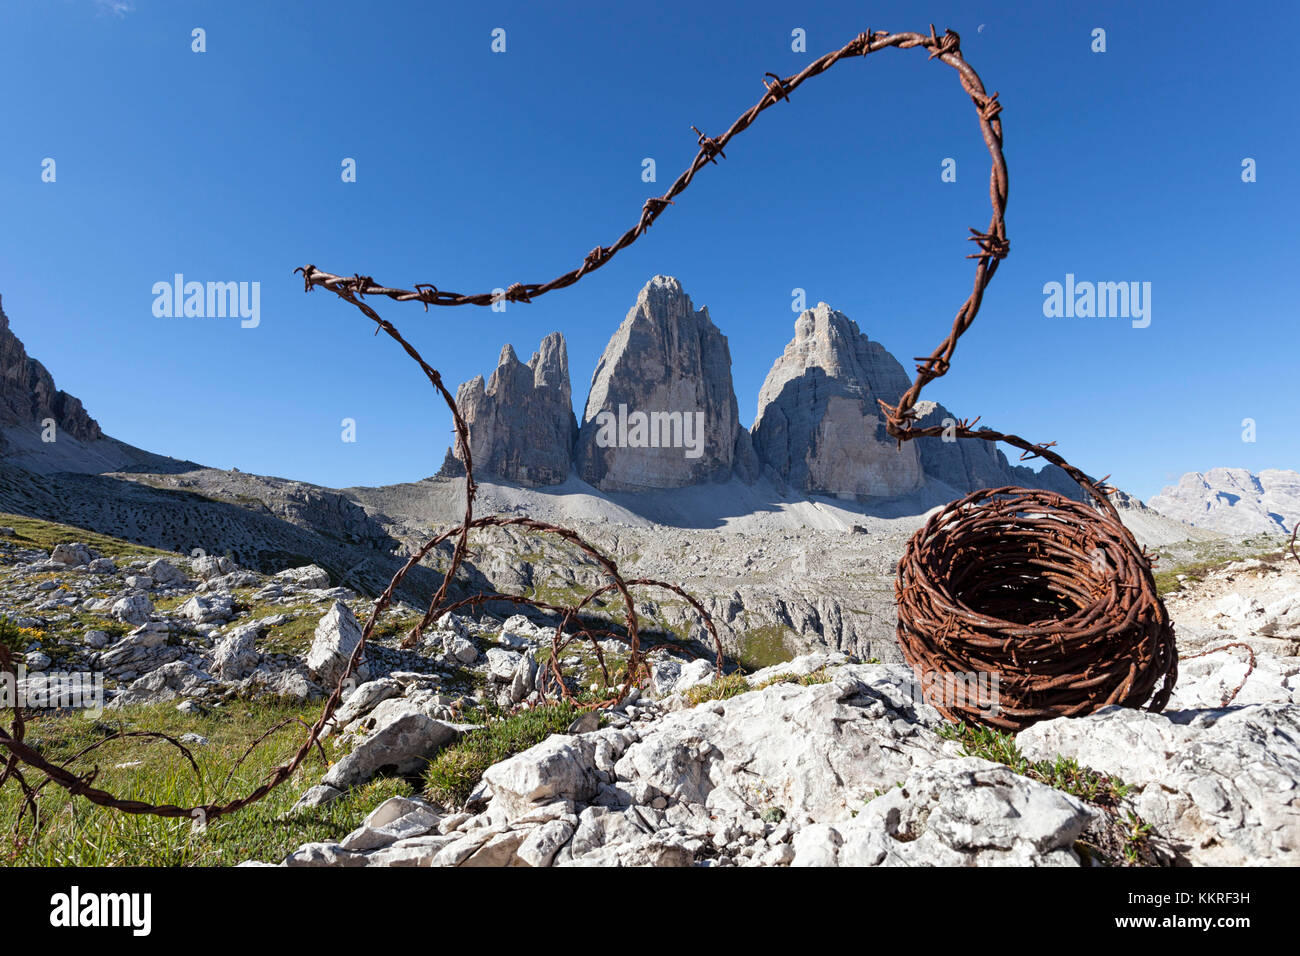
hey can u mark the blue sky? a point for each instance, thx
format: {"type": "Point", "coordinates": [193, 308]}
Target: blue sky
{"type": "Point", "coordinates": [477, 169]}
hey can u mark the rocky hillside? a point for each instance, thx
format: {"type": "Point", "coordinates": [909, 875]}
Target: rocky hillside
{"type": "Point", "coordinates": [826, 759]}
{"type": "Point", "coordinates": [1234, 501]}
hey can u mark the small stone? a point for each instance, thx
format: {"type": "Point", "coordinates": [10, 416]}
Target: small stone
{"type": "Point", "coordinates": [317, 796]}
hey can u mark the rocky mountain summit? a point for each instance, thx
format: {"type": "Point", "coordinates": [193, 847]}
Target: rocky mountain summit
{"type": "Point", "coordinates": [1234, 501]}
{"type": "Point", "coordinates": [28, 396]}
{"type": "Point", "coordinates": [819, 426]}
{"type": "Point", "coordinates": [521, 424]}
{"type": "Point", "coordinates": [662, 413]}
{"type": "Point", "coordinates": [669, 362]}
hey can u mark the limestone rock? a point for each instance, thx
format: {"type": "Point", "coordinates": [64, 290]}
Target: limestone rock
{"type": "Point", "coordinates": [662, 411]}
{"type": "Point", "coordinates": [818, 425]}
{"type": "Point", "coordinates": [1223, 786]}
{"type": "Point", "coordinates": [559, 768]}
{"type": "Point", "coordinates": [72, 555]}
{"type": "Point", "coordinates": [403, 746]}
{"type": "Point", "coordinates": [134, 608]}
{"type": "Point", "coordinates": [177, 679]}
{"type": "Point", "coordinates": [521, 423]}
{"type": "Point", "coordinates": [337, 636]}
{"type": "Point", "coordinates": [208, 608]}
{"type": "Point", "coordinates": [311, 576]}
{"type": "Point", "coordinates": [164, 573]}
{"type": "Point", "coordinates": [144, 649]}
{"type": "Point", "coordinates": [236, 655]}
{"type": "Point", "coordinates": [954, 812]}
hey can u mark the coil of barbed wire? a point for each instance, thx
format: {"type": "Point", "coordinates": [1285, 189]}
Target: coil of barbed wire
{"type": "Point", "coordinates": [1052, 596]}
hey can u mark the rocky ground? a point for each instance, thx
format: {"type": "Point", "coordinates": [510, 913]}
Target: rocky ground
{"type": "Point", "coordinates": [202, 631]}
{"type": "Point", "coordinates": [832, 757]}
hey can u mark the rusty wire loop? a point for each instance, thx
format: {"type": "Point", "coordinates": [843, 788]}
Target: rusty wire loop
{"type": "Point", "coordinates": [1053, 597]}
{"type": "Point", "coordinates": [1053, 557]}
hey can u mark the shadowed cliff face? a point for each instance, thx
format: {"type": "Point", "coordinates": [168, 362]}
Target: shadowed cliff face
{"type": "Point", "coordinates": [819, 426]}
{"type": "Point", "coordinates": [521, 423]}
{"type": "Point", "coordinates": [662, 411]}
{"type": "Point", "coordinates": [28, 395]}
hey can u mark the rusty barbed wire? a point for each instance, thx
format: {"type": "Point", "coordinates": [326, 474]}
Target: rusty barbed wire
{"type": "Point", "coordinates": [1047, 593]}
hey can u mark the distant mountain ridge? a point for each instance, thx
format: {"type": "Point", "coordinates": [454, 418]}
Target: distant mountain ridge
{"type": "Point", "coordinates": [817, 431]}
{"type": "Point", "coordinates": [1234, 501]}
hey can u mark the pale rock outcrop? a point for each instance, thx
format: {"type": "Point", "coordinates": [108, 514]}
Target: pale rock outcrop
{"type": "Point", "coordinates": [954, 812]}
{"type": "Point", "coordinates": [669, 364]}
{"type": "Point", "coordinates": [1220, 785]}
{"type": "Point", "coordinates": [141, 651]}
{"type": "Point", "coordinates": [521, 423]}
{"type": "Point", "coordinates": [311, 576]}
{"type": "Point", "coordinates": [132, 608]}
{"type": "Point", "coordinates": [208, 608]}
{"type": "Point", "coordinates": [236, 655]}
{"type": "Point", "coordinates": [839, 764]}
{"type": "Point", "coordinates": [72, 555]}
{"type": "Point", "coordinates": [819, 426]}
{"type": "Point", "coordinates": [177, 679]}
{"type": "Point", "coordinates": [403, 746]}
{"type": "Point", "coordinates": [164, 573]}
{"type": "Point", "coordinates": [337, 636]}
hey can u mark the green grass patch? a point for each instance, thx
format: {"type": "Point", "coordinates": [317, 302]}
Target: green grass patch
{"type": "Point", "coordinates": [1064, 773]}
{"type": "Point", "coordinates": [452, 775]}
{"type": "Point", "coordinates": [763, 647]}
{"type": "Point", "coordinates": [730, 685]}
{"type": "Point", "coordinates": [35, 533]}
{"type": "Point", "coordinates": [74, 832]}
{"type": "Point", "coordinates": [819, 676]}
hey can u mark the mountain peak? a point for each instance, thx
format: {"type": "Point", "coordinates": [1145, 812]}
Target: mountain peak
{"type": "Point", "coordinates": [28, 396]}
